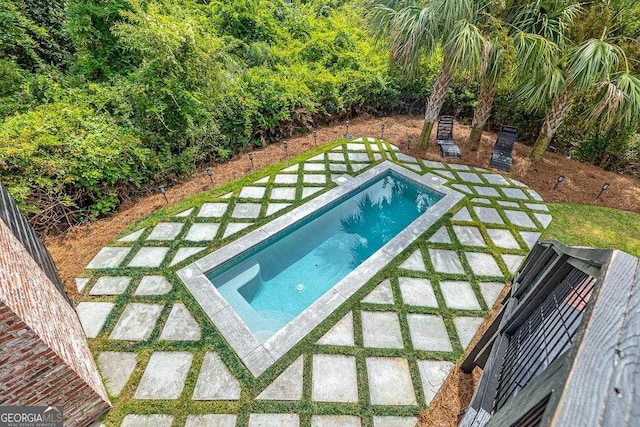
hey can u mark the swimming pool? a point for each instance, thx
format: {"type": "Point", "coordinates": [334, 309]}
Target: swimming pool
{"type": "Point", "coordinates": [231, 313]}
{"type": "Point", "coordinates": [271, 284]}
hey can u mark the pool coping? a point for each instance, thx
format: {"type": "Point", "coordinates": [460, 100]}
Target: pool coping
{"type": "Point", "coordinates": [259, 357]}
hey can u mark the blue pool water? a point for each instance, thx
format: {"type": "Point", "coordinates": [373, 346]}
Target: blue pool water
{"type": "Point", "coordinates": [271, 284]}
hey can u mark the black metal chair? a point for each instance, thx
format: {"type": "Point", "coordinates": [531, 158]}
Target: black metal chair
{"type": "Point", "coordinates": [501, 156]}
{"type": "Point", "coordinates": [445, 138]}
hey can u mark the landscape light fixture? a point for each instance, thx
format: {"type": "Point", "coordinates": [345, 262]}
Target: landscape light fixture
{"type": "Point", "coordinates": [604, 188]}
{"type": "Point", "coordinates": [251, 159]}
{"type": "Point", "coordinates": [408, 142]}
{"type": "Point", "coordinates": [382, 131]}
{"type": "Point", "coordinates": [315, 137]}
{"type": "Point", "coordinates": [347, 135]}
{"type": "Point", "coordinates": [163, 191]}
{"type": "Point", "coordinates": [210, 174]}
{"type": "Point", "coordinates": [286, 148]}
{"type": "Point", "coordinates": [560, 179]}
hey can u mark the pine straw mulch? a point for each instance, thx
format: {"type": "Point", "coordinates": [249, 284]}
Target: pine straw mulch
{"type": "Point", "coordinates": [73, 250]}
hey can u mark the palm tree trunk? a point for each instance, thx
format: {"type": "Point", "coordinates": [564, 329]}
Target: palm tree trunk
{"type": "Point", "coordinates": [555, 116]}
{"type": "Point", "coordinates": [482, 112]}
{"type": "Point", "coordinates": [438, 93]}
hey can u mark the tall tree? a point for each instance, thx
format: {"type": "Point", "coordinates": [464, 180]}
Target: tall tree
{"type": "Point", "coordinates": [597, 65]}
{"type": "Point", "coordinates": [412, 28]}
{"type": "Point", "coordinates": [546, 18]}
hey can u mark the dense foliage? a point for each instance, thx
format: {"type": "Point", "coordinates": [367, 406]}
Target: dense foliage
{"type": "Point", "coordinates": [103, 98]}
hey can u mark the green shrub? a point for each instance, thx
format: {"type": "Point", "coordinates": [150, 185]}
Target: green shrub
{"type": "Point", "coordinates": [62, 161]}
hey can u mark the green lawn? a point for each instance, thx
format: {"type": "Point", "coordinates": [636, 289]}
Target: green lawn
{"type": "Point", "coordinates": [585, 225]}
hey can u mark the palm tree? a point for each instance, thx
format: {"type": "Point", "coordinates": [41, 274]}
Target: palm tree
{"type": "Point", "coordinates": [596, 65]}
{"type": "Point", "coordinates": [412, 28]}
{"type": "Point", "coordinates": [545, 18]}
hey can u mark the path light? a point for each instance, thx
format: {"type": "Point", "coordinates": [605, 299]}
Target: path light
{"type": "Point", "coordinates": [210, 174]}
{"type": "Point", "coordinates": [286, 148]}
{"type": "Point", "coordinates": [347, 135]}
{"type": "Point", "coordinates": [163, 191]}
{"type": "Point", "coordinates": [408, 142]}
{"type": "Point", "coordinates": [560, 179]}
{"type": "Point", "coordinates": [382, 131]}
{"type": "Point", "coordinates": [251, 159]}
{"type": "Point", "coordinates": [315, 137]}
{"type": "Point", "coordinates": [604, 188]}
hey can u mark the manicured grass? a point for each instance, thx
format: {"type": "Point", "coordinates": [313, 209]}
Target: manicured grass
{"type": "Point", "coordinates": [583, 225]}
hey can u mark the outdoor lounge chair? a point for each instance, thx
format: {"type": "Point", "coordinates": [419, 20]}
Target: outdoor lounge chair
{"type": "Point", "coordinates": [501, 156]}
{"type": "Point", "coordinates": [445, 137]}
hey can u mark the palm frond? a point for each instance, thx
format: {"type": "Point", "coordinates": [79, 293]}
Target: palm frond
{"type": "Point", "coordinates": [593, 61]}
{"type": "Point", "coordinates": [547, 18]}
{"type": "Point", "coordinates": [619, 101]}
{"type": "Point", "coordinates": [464, 48]}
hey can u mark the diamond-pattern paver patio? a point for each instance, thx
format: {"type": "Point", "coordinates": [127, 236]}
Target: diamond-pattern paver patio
{"type": "Point", "coordinates": [155, 420]}
{"type": "Point", "coordinates": [417, 292]}
{"type": "Point", "coordinates": [469, 236]}
{"type": "Point", "coordinates": [287, 386]}
{"type": "Point", "coordinates": [393, 421]}
{"type": "Point", "coordinates": [92, 316]}
{"type": "Point", "coordinates": [165, 231]}
{"type": "Point", "coordinates": [109, 258]}
{"type": "Point", "coordinates": [180, 325]}
{"type": "Point", "coordinates": [519, 218]}
{"type": "Point", "coordinates": [211, 420]}
{"type": "Point", "coordinates": [488, 215]}
{"type": "Point", "coordinates": [153, 285]}
{"type": "Point", "coordinates": [184, 253]}
{"type": "Point", "coordinates": [107, 285]}
{"type": "Point", "coordinates": [483, 264]}
{"type": "Point", "coordinates": [212, 210]}
{"type": "Point", "coordinates": [514, 193]}
{"type": "Point", "coordinates": [415, 262]}
{"type": "Point", "coordinates": [530, 237]}
{"type": "Point", "coordinates": [466, 327]}
{"type": "Point", "coordinates": [136, 322]}
{"type": "Point", "coordinates": [341, 333]}
{"type": "Point", "coordinates": [428, 332]}
{"type": "Point", "coordinates": [486, 191]}
{"type": "Point", "coordinates": [202, 231]}
{"type": "Point", "coordinates": [215, 382]}
{"type": "Point", "coordinates": [334, 378]}
{"type": "Point", "coordinates": [490, 292]}
{"type": "Point", "coordinates": [390, 381]}
{"type": "Point", "coordinates": [164, 375]}
{"type": "Point", "coordinates": [274, 420]}
{"type": "Point", "coordinates": [459, 295]}
{"type": "Point", "coordinates": [512, 261]}
{"type": "Point", "coordinates": [381, 329]}
{"type": "Point", "coordinates": [446, 261]}
{"type": "Point", "coordinates": [247, 210]}
{"type": "Point", "coordinates": [377, 332]}
{"type": "Point", "coordinates": [462, 215]}
{"type": "Point", "coordinates": [149, 257]}
{"type": "Point", "coordinates": [283, 193]}
{"type": "Point", "coordinates": [503, 238]}
{"type": "Point", "coordinates": [433, 373]}
{"type": "Point", "coordinates": [252, 192]}
{"type": "Point", "coordinates": [116, 368]}
{"type": "Point", "coordinates": [335, 421]}
{"type": "Point", "coordinates": [381, 294]}
{"type": "Point", "coordinates": [440, 236]}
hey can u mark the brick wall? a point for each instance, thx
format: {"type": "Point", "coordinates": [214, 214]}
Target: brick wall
{"type": "Point", "coordinates": [44, 356]}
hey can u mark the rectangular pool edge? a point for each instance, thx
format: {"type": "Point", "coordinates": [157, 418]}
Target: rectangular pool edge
{"type": "Point", "coordinates": [238, 335]}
